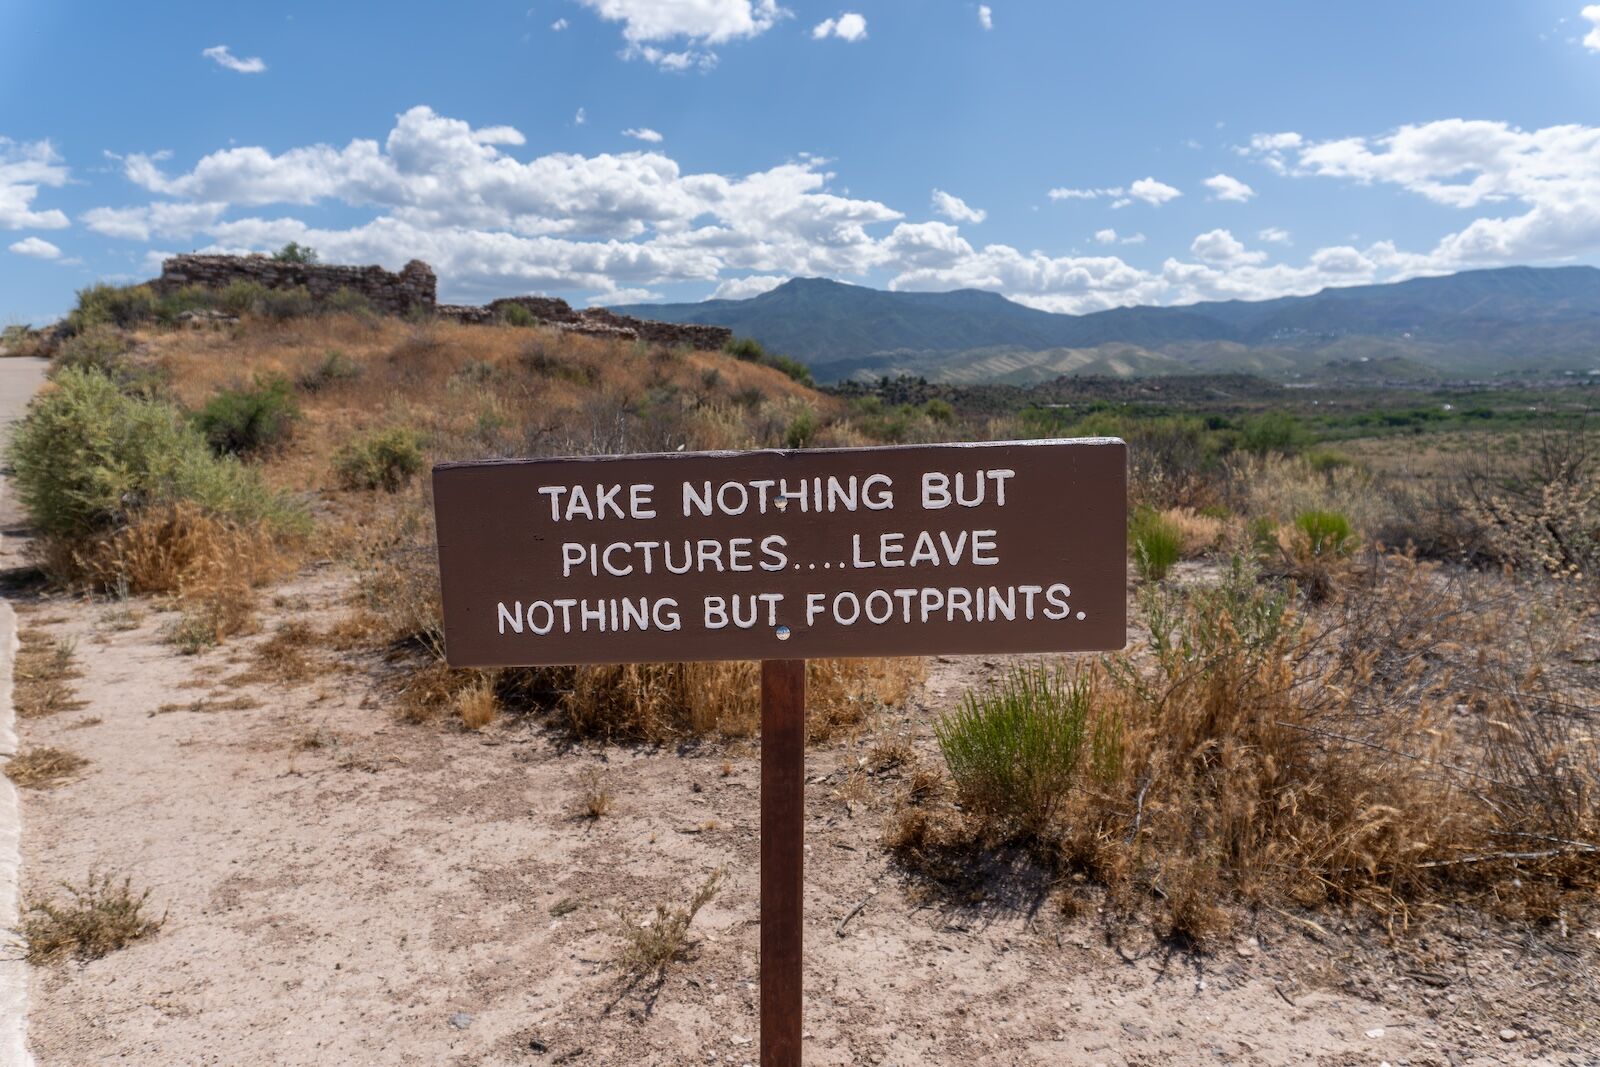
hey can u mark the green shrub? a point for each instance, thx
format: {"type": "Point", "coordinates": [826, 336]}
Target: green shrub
{"type": "Point", "coordinates": [384, 460]}
{"type": "Point", "coordinates": [294, 252]}
{"type": "Point", "coordinates": [745, 348]}
{"type": "Point", "coordinates": [517, 315]}
{"type": "Point", "coordinates": [1157, 544]}
{"type": "Point", "coordinates": [802, 430]}
{"type": "Point", "coordinates": [99, 348]}
{"type": "Point", "coordinates": [349, 302]}
{"type": "Point", "coordinates": [1328, 533]}
{"type": "Point", "coordinates": [335, 367]}
{"type": "Point", "coordinates": [1276, 431]}
{"type": "Point", "coordinates": [939, 410]}
{"type": "Point", "coordinates": [244, 422]}
{"type": "Point", "coordinates": [189, 298]}
{"type": "Point", "coordinates": [284, 304]}
{"type": "Point", "coordinates": [111, 305]}
{"type": "Point", "coordinates": [792, 367]}
{"type": "Point", "coordinates": [242, 297]}
{"type": "Point", "coordinates": [87, 455]}
{"type": "Point", "coordinates": [1014, 748]}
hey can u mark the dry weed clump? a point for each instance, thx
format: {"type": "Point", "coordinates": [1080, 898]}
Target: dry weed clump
{"type": "Point", "coordinates": [476, 705]}
{"type": "Point", "coordinates": [43, 674]}
{"type": "Point", "coordinates": [1381, 751]}
{"type": "Point", "coordinates": [1199, 534]}
{"type": "Point", "coordinates": [96, 919]}
{"type": "Point", "coordinates": [661, 702]}
{"type": "Point", "coordinates": [650, 946]}
{"type": "Point", "coordinates": [594, 794]}
{"type": "Point", "coordinates": [44, 766]}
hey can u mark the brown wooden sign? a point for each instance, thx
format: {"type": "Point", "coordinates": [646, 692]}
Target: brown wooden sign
{"type": "Point", "coordinates": [907, 550]}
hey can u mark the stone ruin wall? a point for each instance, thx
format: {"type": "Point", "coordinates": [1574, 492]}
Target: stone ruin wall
{"type": "Point", "coordinates": [415, 289]}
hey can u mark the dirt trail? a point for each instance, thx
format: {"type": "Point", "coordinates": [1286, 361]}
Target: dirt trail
{"type": "Point", "coordinates": [341, 888]}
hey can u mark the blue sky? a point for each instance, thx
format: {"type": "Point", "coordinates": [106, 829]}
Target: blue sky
{"type": "Point", "coordinates": [1072, 156]}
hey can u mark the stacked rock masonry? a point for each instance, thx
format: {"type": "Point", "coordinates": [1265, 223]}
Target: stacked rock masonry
{"type": "Point", "coordinates": [415, 290]}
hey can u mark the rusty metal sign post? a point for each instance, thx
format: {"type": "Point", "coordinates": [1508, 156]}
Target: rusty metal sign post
{"type": "Point", "coordinates": [784, 556]}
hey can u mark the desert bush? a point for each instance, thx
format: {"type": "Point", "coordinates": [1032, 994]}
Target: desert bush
{"type": "Point", "coordinates": [648, 948]}
{"type": "Point", "coordinates": [801, 431]}
{"type": "Point", "coordinates": [1157, 543]}
{"type": "Point", "coordinates": [111, 305]}
{"type": "Point", "coordinates": [96, 919]}
{"type": "Point", "coordinates": [333, 369]}
{"type": "Point", "coordinates": [249, 421]}
{"type": "Point", "coordinates": [1199, 532]}
{"type": "Point", "coordinates": [1274, 431]}
{"type": "Point", "coordinates": [240, 297]}
{"type": "Point", "coordinates": [189, 298]}
{"type": "Point", "coordinates": [387, 460]}
{"type": "Point", "coordinates": [284, 304]}
{"type": "Point", "coordinates": [1260, 755]}
{"type": "Point", "coordinates": [1543, 514]}
{"type": "Point", "coordinates": [1014, 748]}
{"type": "Point", "coordinates": [795, 370]}
{"type": "Point", "coordinates": [1324, 533]}
{"type": "Point", "coordinates": [1281, 487]}
{"type": "Point", "coordinates": [349, 302]}
{"type": "Point", "coordinates": [87, 458]}
{"type": "Point", "coordinates": [294, 252]}
{"type": "Point", "coordinates": [517, 315]}
{"type": "Point", "coordinates": [745, 348]}
{"type": "Point", "coordinates": [98, 348]}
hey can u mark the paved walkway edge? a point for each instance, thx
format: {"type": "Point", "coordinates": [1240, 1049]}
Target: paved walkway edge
{"type": "Point", "coordinates": [13, 968]}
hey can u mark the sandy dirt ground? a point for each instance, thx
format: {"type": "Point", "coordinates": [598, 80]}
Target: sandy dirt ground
{"type": "Point", "coordinates": [342, 888]}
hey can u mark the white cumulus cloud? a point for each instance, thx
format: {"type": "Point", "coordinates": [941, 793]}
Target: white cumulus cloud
{"type": "Point", "coordinates": [1541, 186]}
{"type": "Point", "coordinates": [847, 27]}
{"type": "Point", "coordinates": [1274, 235]}
{"type": "Point", "coordinates": [226, 59]}
{"type": "Point", "coordinates": [1225, 187]}
{"type": "Point", "coordinates": [1106, 237]}
{"type": "Point", "coordinates": [558, 25]}
{"type": "Point", "coordinates": [986, 16]}
{"type": "Point", "coordinates": [24, 168]}
{"type": "Point", "coordinates": [955, 208]}
{"type": "Point", "coordinates": [1152, 192]}
{"type": "Point", "coordinates": [36, 247]}
{"type": "Point", "coordinates": [1220, 246]}
{"type": "Point", "coordinates": [1591, 14]}
{"type": "Point", "coordinates": [698, 23]}
{"type": "Point", "coordinates": [643, 133]}
{"type": "Point", "coordinates": [744, 288]}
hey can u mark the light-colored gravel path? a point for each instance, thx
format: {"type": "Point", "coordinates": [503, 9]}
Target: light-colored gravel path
{"type": "Point", "coordinates": [19, 380]}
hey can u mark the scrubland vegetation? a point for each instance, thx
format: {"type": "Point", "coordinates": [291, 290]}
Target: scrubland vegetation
{"type": "Point", "coordinates": [1350, 687]}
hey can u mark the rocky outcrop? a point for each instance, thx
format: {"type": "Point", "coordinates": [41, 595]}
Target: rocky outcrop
{"type": "Point", "coordinates": [414, 289]}
{"type": "Point", "coordinates": [596, 322]}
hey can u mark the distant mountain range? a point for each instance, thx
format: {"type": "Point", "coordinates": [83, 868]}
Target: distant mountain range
{"type": "Point", "coordinates": [1484, 323]}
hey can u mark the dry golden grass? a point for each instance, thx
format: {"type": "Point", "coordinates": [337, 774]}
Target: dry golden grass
{"type": "Point", "coordinates": [180, 550]}
{"type": "Point", "coordinates": [44, 766]}
{"type": "Point", "coordinates": [1388, 750]}
{"type": "Point", "coordinates": [288, 655]}
{"type": "Point", "coordinates": [660, 702]}
{"type": "Point", "coordinates": [476, 705]}
{"type": "Point", "coordinates": [95, 919]}
{"type": "Point", "coordinates": [1201, 534]}
{"type": "Point", "coordinates": [594, 794]}
{"type": "Point", "coordinates": [43, 675]}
